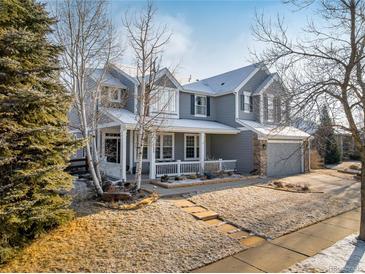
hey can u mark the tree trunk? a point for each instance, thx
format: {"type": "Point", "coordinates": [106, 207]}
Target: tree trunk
{"type": "Point", "coordinates": [140, 139]}
{"type": "Point", "coordinates": [362, 197]}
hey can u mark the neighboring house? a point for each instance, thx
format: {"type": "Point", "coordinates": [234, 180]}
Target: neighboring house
{"type": "Point", "coordinates": [226, 122]}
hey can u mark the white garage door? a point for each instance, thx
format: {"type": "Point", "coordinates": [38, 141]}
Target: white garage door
{"type": "Point", "coordinates": [284, 159]}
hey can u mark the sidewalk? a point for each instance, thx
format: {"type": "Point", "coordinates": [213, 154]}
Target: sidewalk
{"type": "Point", "coordinates": [283, 252]}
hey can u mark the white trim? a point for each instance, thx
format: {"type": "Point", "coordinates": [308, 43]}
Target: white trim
{"type": "Point", "coordinates": [202, 144]}
{"type": "Point", "coordinates": [195, 147]}
{"type": "Point", "coordinates": [262, 90]}
{"type": "Point", "coordinates": [248, 78]}
{"type": "Point", "coordinates": [131, 139]}
{"type": "Point", "coordinates": [123, 152]}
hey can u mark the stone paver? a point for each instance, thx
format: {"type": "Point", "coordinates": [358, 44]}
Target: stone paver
{"type": "Point", "coordinates": [228, 265]}
{"type": "Point", "coordinates": [194, 209]}
{"type": "Point", "coordinates": [214, 222]}
{"type": "Point", "coordinates": [238, 235]}
{"type": "Point", "coordinates": [327, 231]}
{"type": "Point", "coordinates": [227, 228]}
{"type": "Point", "coordinates": [302, 243]}
{"type": "Point", "coordinates": [183, 203]}
{"type": "Point", "coordinates": [252, 241]}
{"type": "Point", "coordinates": [206, 215]}
{"type": "Point", "coordinates": [269, 257]}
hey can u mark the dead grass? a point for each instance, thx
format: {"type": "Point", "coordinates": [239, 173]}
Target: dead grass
{"type": "Point", "coordinates": [155, 238]}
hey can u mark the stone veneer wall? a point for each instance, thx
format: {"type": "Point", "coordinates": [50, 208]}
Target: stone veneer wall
{"type": "Point", "coordinates": [260, 155]}
{"type": "Point", "coordinates": [306, 152]}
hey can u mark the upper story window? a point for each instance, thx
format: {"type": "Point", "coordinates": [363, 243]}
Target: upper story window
{"type": "Point", "coordinates": [246, 102]}
{"type": "Point", "coordinates": [200, 105]}
{"type": "Point", "coordinates": [164, 100]}
{"type": "Point", "coordinates": [270, 108]}
{"type": "Point", "coordinates": [116, 95]}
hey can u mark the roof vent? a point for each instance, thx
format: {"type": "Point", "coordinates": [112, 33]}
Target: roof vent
{"type": "Point", "coordinates": [222, 84]}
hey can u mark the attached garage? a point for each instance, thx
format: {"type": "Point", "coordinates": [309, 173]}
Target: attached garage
{"type": "Point", "coordinates": [284, 158]}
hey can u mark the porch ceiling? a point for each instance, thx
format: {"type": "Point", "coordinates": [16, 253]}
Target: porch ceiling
{"type": "Point", "coordinates": [128, 118]}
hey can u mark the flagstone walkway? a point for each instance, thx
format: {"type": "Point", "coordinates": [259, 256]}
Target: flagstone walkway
{"type": "Point", "coordinates": [261, 255]}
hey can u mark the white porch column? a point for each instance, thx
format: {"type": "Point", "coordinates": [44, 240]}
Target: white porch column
{"type": "Point", "coordinates": [202, 151]}
{"type": "Point", "coordinates": [131, 150]}
{"type": "Point", "coordinates": [123, 153]}
{"type": "Point", "coordinates": [152, 155]}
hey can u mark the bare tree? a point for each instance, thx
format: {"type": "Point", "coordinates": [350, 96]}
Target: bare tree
{"type": "Point", "coordinates": [86, 33]}
{"type": "Point", "coordinates": [323, 67]}
{"type": "Point", "coordinates": [147, 39]}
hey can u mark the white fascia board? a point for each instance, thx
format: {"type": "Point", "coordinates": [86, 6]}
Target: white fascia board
{"type": "Point", "coordinates": [133, 80]}
{"type": "Point", "coordinates": [244, 82]}
{"type": "Point", "coordinates": [107, 125]}
{"type": "Point", "coordinates": [211, 94]}
{"type": "Point", "coordinates": [268, 84]}
{"type": "Point", "coordinates": [172, 78]}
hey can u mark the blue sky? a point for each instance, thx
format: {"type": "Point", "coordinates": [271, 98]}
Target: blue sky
{"type": "Point", "coordinates": [210, 37]}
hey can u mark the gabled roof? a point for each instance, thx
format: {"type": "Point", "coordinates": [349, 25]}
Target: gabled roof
{"type": "Point", "coordinates": [108, 79]}
{"type": "Point", "coordinates": [129, 119]}
{"type": "Point", "coordinates": [223, 83]}
{"type": "Point", "coordinates": [274, 132]}
{"type": "Point", "coordinates": [266, 83]}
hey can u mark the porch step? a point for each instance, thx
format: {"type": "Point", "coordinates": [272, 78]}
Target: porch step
{"type": "Point", "coordinates": [205, 215]}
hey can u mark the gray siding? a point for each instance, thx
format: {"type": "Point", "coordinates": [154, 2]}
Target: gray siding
{"type": "Point", "coordinates": [225, 109]}
{"type": "Point", "coordinates": [235, 147]}
{"type": "Point", "coordinates": [185, 112]}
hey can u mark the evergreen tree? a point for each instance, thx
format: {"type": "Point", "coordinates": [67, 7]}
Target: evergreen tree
{"type": "Point", "coordinates": [34, 141]}
{"type": "Point", "coordinates": [325, 139]}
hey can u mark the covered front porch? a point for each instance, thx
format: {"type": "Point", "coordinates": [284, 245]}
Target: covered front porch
{"type": "Point", "coordinates": [174, 149]}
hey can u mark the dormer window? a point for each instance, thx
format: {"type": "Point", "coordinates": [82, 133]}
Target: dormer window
{"type": "Point", "coordinates": [246, 102]}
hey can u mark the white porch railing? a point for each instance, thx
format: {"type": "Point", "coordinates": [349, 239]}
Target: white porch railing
{"type": "Point", "coordinates": [185, 168]}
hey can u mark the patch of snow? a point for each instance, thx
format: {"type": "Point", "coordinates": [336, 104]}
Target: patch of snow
{"type": "Point", "coordinates": [346, 256]}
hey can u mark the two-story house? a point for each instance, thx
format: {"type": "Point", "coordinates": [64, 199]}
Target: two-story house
{"type": "Point", "coordinates": [225, 122]}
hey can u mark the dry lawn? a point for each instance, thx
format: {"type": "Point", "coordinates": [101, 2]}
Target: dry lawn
{"type": "Point", "coordinates": [273, 213]}
{"type": "Point", "coordinates": [156, 238]}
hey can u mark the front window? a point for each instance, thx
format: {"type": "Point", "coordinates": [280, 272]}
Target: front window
{"type": "Point", "coordinates": [114, 94]}
{"type": "Point", "coordinates": [165, 147]}
{"type": "Point", "coordinates": [144, 148]}
{"type": "Point", "coordinates": [270, 109]}
{"type": "Point", "coordinates": [191, 147]}
{"type": "Point", "coordinates": [112, 147]}
{"type": "Point", "coordinates": [200, 105]}
{"type": "Point", "coordinates": [246, 103]}
{"type": "Point", "coordinates": [164, 100]}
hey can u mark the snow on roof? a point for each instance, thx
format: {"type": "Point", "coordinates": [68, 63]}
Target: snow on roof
{"type": "Point", "coordinates": [272, 132]}
{"type": "Point", "coordinates": [108, 79]}
{"type": "Point", "coordinates": [183, 125]}
{"type": "Point", "coordinates": [222, 83]}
